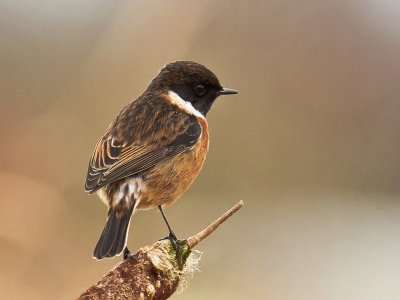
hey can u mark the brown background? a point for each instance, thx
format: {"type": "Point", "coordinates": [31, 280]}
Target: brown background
{"type": "Point", "coordinates": [311, 144]}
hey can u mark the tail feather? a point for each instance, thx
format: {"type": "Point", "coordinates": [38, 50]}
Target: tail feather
{"type": "Point", "coordinates": [109, 233]}
{"type": "Point", "coordinates": [120, 239]}
{"type": "Point", "coordinates": [113, 238]}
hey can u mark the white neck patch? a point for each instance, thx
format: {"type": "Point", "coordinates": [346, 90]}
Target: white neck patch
{"type": "Point", "coordinates": [184, 105]}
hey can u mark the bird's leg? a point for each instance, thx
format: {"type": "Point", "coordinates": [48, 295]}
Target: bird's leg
{"type": "Point", "coordinates": [172, 237]}
{"type": "Point", "coordinates": [171, 232]}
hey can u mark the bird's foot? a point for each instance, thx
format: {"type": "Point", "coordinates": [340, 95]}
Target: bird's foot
{"type": "Point", "coordinates": [128, 254]}
{"type": "Point", "coordinates": [174, 242]}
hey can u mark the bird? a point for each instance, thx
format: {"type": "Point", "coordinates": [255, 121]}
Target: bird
{"type": "Point", "coordinates": [153, 150]}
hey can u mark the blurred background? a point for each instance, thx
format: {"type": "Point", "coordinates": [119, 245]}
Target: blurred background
{"type": "Point", "coordinates": [311, 144]}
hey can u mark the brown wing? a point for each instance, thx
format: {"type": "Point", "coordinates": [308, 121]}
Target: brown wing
{"type": "Point", "coordinates": [118, 155]}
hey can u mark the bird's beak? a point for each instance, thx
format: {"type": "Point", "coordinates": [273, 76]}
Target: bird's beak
{"type": "Point", "coordinates": [226, 91]}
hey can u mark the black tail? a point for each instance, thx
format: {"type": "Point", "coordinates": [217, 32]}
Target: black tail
{"type": "Point", "coordinates": [113, 238]}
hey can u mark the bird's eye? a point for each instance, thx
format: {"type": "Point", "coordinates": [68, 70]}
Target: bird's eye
{"type": "Point", "coordinates": [200, 90]}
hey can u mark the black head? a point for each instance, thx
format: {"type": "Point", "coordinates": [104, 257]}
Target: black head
{"type": "Point", "coordinates": [193, 82]}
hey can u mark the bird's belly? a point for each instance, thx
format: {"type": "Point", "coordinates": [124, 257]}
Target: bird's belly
{"type": "Point", "coordinates": [169, 180]}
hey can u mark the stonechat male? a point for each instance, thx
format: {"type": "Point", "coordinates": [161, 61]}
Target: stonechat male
{"type": "Point", "coordinates": [153, 150]}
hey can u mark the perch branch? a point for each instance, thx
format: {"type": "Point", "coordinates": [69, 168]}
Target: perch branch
{"type": "Point", "coordinates": [154, 272]}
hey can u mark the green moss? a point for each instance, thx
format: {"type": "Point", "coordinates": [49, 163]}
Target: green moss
{"type": "Point", "coordinates": [184, 252]}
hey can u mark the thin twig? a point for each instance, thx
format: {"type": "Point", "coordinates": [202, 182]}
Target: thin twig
{"type": "Point", "coordinates": [194, 240]}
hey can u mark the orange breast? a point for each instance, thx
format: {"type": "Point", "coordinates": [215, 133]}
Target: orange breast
{"type": "Point", "coordinates": [169, 180]}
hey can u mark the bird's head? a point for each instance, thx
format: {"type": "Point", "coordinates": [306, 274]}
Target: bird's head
{"type": "Point", "coordinates": [192, 82]}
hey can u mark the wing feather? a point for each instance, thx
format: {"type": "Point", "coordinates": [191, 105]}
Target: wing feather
{"type": "Point", "coordinates": [115, 158]}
